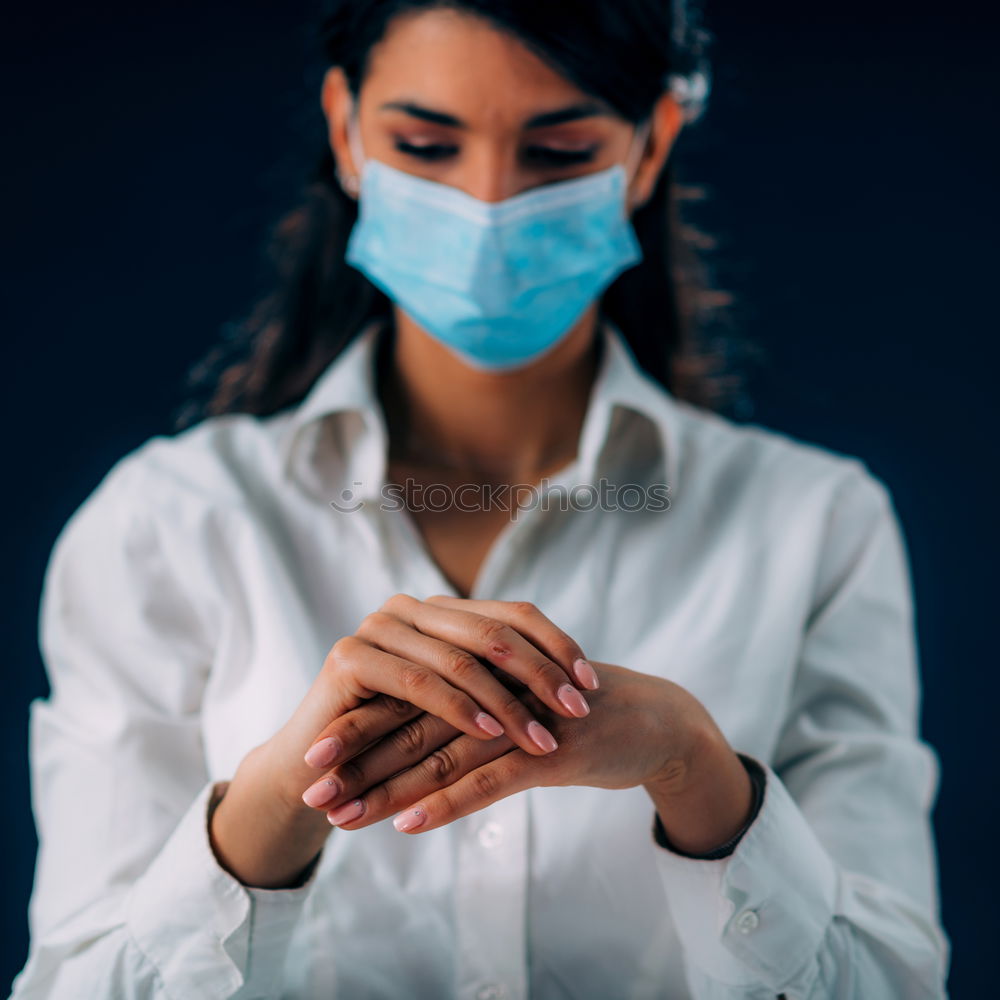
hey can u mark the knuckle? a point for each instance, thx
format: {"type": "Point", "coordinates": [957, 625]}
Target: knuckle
{"type": "Point", "coordinates": [491, 629]}
{"type": "Point", "coordinates": [342, 651]}
{"type": "Point", "coordinates": [486, 784]}
{"type": "Point", "coordinates": [374, 621]}
{"type": "Point", "coordinates": [441, 766]}
{"type": "Point", "coordinates": [415, 678]}
{"type": "Point", "coordinates": [461, 663]}
{"type": "Point", "coordinates": [351, 734]}
{"type": "Point", "coordinates": [408, 741]}
{"type": "Point", "coordinates": [458, 703]}
{"type": "Point", "coordinates": [397, 706]}
{"type": "Point", "coordinates": [524, 609]}
{"type": "Point", "coordinates": [543, 670]}
{"type": "Point", "coordinates": [397, 602]}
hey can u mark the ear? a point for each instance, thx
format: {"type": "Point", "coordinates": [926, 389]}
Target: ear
{"type": "Point", "coordinates": [666, 121]}
{"type": "Point", "coordinates": [336, 100]}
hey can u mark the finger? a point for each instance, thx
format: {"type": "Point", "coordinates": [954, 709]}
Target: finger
{"type": "Point", "coordinates": [513, 772]}
{"type": "Point", "coordinates": [357, 729]}
{"type": "Point", "coordinates": [450, 762]}
{"type": "Point", "coordinates": [499, 643]}
{"type": "Point", "coordinates": [537, 628]}
{"type": "Point", "coordinates": [371, 669]}
{"type": "Point", "coordinates": [463, 670]}
{"type": "Point", "coordinates": [361, 727]}
{"type": "Point", "coordinates": [394, 752]}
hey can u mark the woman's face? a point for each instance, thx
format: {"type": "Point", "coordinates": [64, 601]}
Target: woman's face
{"type": "Point", "coordinates": [450, 98]}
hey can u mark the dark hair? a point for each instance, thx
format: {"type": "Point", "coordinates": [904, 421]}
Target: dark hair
{"type": "Point", "coordinates": [622, 52]}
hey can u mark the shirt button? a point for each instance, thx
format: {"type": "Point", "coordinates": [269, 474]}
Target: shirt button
{"type": "Point", "coordinates": [490, 834]}
{"type": "Point", "coordinates": [747, 921]}
{"type": "Point", "coordinates": [491, 991]}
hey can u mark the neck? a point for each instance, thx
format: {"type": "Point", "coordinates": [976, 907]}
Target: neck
{"type": "Point", "coordinates": [511, 427]}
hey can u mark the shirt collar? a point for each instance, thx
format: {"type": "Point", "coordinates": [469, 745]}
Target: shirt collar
{"type": "Point", "coordinates": [349, 453]}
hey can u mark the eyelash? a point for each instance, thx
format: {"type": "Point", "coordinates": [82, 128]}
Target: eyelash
{"type": "Point", "coordinates": [551, 157]}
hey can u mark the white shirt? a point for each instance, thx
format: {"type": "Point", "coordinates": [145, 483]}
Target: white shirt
{"type": "Point", "coordinates": [189, 604]}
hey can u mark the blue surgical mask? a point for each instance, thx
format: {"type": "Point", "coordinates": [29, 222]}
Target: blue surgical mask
{"type": "Point", "coordinates": [499, 283]}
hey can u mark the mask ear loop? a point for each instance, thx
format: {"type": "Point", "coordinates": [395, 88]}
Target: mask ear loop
{"type": "Point", "coordinates": [640, 138]}
{"type": "Point", "coordinates": [351, 182]}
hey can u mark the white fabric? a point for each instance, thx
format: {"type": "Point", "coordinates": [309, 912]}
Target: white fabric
{"type": "Point", "coordinates": [191, 599]}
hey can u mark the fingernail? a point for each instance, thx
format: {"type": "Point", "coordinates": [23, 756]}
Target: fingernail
{"type": "Point", "coordinates": [488, 724]}
{"type": "Point", "coordinates": [409, 820]}
{"type": "Point", "coordinates": [321, 793]}
{"type": "Point", "coordinates": [347, 812]}
{"type": "Point", "coordinates": [324, 753]}
{"type": "Point", "coordinates": [585, 674]}
{"type": "Point", "coordinates": [542, 737]}
{"type": "Point", "coordinates": [572, 700]}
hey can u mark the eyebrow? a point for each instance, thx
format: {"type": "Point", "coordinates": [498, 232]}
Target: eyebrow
{"type": "Point", "coordinates": [570, 114]}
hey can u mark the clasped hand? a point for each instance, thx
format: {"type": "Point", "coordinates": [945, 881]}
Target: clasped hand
{"type": "Point", "coordinates": [416, 681]}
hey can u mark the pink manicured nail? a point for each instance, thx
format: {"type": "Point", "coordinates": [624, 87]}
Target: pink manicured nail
{"type": "Point", "coordinates": [321, 793]}
{"type": "Point", "coordinates": [488, 724]}
{"type": "Point", "coordinates": [347, 812]}
{"type": "Point", "coordinates": [542, 737]}
{"type": "Point", "coordinates": [572, 700]}
{"type": "Point", "coordinates": [324, 753]}
{"type": "Point", "coordinates": [585, 674]}
{"type": "Point", "coordinates": [409, 820]}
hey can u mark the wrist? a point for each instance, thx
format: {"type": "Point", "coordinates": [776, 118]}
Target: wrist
{"type": "Point", "coordinates": [706, 798]}
{"type": "Point", "coordinates": [759, 780]}
{"type": "Point", "coordinates": [258, 834]}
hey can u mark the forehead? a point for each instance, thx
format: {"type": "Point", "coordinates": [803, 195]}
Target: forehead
{"type": "Point", "coordinates": [458, 62]}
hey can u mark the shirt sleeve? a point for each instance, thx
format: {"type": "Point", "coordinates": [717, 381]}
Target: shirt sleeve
{"type": "Point", "coordinates": [832, 891]}
{"type": "Point", "coordinates": [128, 898]}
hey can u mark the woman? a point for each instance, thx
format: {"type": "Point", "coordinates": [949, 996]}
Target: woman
{"type": "Point", "coordinates": [636, 684]}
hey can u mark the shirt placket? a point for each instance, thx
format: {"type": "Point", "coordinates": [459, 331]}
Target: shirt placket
{"type": "Point", "coordinates": [492, 845]}
{"type": "Point", "coordinates": [490, 897]}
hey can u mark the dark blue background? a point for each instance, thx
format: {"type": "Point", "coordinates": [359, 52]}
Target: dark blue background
{"type": "Point", "coordinates": [849, 157]}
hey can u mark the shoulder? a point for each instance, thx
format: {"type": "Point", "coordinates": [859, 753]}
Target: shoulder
{"type": "Point", "coordinates": [773, 485]}
{"type": "Point", "coordinates": [767, 469]}
{"type": "Point", "coordinates": [223, 462]}
{"type": "Point", "coordinates": [161, 530]}
{"type": "Point", "coordinates": [194, 486]}
{"type": "Point", "coordinates": [226, 460]}
{"type": "Point", "coordinates": [797, 515]}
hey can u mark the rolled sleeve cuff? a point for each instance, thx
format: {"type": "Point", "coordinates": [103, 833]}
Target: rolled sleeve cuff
{"type": "Point", "coordinates": [207, 933]}
{"type": "Point", "coordinates": [759, 914]}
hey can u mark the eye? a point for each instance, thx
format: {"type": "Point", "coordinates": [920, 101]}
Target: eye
{"type": "Point", "coordinates": [560, 157]}
{"type": "Point", "coordinates": [432, 151]}
{"type": "Point", "coordinates": [546, 155]}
